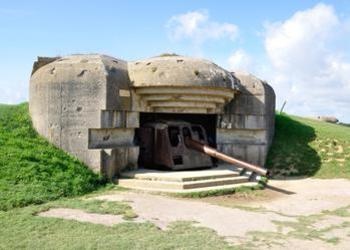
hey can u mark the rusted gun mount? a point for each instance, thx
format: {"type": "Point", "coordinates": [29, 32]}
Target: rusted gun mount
{"type": "Point", "coordinates": [205, 149]}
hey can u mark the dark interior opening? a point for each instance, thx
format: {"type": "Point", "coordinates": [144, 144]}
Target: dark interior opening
{"type": "Point", "coordinates": [198, 131]}
{"type": "Point", "coordinates": [174, 136]}
{"type": "Point", "coordinates": [178, 160]}
{"type": "Point", "coordinates": [208, 121]}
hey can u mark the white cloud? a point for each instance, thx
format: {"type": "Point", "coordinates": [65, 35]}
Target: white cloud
{"type": "Point", "coordinates": [197, 26]}
{"type": "Point", "coordinates": [309, 62]}
{"type": "Point", "coordinates": [241, 61]}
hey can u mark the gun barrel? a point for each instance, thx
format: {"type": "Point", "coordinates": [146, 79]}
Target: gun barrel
{"type": "Point", "coordinates": [200, 147]}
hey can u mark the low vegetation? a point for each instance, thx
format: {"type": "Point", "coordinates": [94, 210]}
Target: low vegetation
{"type": "Point", "coordinates": [310, 228]}
{"type": "Point", "coordinates": [95, 206]}
{"type": "Point", "coordinates": [32, 171]}
{"type": "Point", "coordinates": [309, 147]}
{"type": "Point", "coordinates": [21, 228]}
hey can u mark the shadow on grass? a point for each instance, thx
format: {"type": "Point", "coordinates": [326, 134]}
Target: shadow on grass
{"type": "Point", "coordinates": [290, 153]}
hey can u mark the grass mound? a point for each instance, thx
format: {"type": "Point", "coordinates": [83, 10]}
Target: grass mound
{"type": "Point", "coordinates": [309, 147]}
{"type": "Point", "coordinates": [32, 171]}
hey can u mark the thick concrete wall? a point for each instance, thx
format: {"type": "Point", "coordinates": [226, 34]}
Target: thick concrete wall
{"type": "Point", "coordinates": [246, 128]}
{"type": "Point", "coordinates": [67, 97]}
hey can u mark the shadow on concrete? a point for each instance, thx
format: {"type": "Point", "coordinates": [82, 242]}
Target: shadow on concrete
{"type": "Point", "coordinates": [279, 190]}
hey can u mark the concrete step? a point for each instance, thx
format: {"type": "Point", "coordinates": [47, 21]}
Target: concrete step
{"type": "Point", "coordinates": [176, 185]}
{"type": "Point", "coordinates": [146, 184]}
{"type": "Point", "coordinates": [184, 191]}
{"type": "Point", "coordinates": [234, 168]}
{"type": "Point", "coordinates": [180, 176]}
{"type": "Point", "coordinates": [214, 182]}
{"type": "Point", "coordinates": [221, 177]}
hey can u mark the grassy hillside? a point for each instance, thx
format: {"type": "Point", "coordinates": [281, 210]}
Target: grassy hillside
{"type": "Point", "coordinates": [31, 170]}
{"type": "Point", "coordinates": [308, 147]}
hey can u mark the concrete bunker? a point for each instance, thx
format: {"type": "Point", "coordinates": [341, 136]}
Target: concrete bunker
{"type": "Point", "coordinates": [92, 105]}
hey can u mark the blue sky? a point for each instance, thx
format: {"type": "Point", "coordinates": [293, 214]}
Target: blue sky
{"type": "Point", "coordinates": [275, 40]}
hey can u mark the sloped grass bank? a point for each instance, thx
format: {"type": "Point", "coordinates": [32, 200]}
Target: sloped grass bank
{"type": "Point", "coordinates": [33, 171]}
{"type": "Point", "coordinates": [309, 147]}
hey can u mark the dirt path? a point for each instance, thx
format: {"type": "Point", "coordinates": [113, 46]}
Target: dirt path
{"type": "Point", "coordinates": [228, 222]}
{"type": "Point", "coordinates": [294, 196]}
{"type": "Point", "coordinates": [291, 215]}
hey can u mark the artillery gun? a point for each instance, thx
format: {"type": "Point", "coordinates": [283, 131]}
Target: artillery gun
{"type": "Point", "coordinates": [178, 145]}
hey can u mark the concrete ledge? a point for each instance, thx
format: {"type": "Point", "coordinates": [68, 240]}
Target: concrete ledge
{"type": "Point", "coordinates": [111, 138]}
{"type": "Point", "coordinates": [183, 99]}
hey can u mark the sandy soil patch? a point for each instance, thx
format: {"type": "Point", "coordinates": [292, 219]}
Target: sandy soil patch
{"type": "Point", "coordinates": [295, 196]}
{"type": "Point", "coordinates": [82, 216]}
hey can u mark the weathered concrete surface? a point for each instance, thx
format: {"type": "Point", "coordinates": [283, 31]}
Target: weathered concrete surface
{"type": "Point", "coordinates": [67, 96]}
{"type": "Point", "coordinates": [223, 171]}
{"type": "Point", "coordinates": [179, 71]}
{"type": "Point", "coordinates": [246, 128]}
{"type": "Point", "coordinates": [111, 138]}
{"type": "Point", "coordinates": [42, 61]}
{"type": "Point", "coordinates": [180, 84]}
{"type": "Point", "coordinates": [119, 119]}
{"type": "Point", "coordinates": [221, 178]}
{"type": "Point", "coordinates": [119, 159]}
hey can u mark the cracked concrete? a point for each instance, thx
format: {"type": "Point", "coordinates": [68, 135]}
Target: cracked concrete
{"type": "Point", "coordinates": [227, 222]}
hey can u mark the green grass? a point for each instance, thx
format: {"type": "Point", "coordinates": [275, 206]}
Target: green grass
{"type": "Point", "coordinates": [20, 228]}
{"type": "Point", "coordinates": [90, 205]}
{"type": "Point", "coordinates": [304, 228]}
{"type": "Point", "coordinates": [32, 171]}
{"type": "Point", "coordinates": [95, 206]}
{"type": "Point", "coordinates": [309, 147]}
